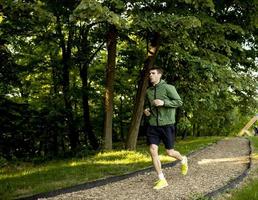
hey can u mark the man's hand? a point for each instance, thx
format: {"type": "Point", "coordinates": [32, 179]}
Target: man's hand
{"type": "Point", "coordinates": [147, 112]}
{"type": "Point", "coordinates": [158, 102]}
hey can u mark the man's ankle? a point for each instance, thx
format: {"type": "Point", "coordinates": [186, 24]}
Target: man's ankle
{"type": "Point", "coordinates": [161, 176]}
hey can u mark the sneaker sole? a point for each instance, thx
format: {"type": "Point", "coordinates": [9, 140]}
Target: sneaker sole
{"type": "Point", "coordinates": [160, 187]}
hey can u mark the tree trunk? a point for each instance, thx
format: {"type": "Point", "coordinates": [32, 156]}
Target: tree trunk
{"type": "Point", "coordinates": [55, 92]}
{"type": "Point", "coordinates": [88, 131]}
{"type": "Point", "coordinates": [194, 129]}
{"type": "Point", "coordinates": [109, 86]}
{"type": "Point", "coordinates": [72, 134]}
{"type": "Point", "coordinates": [121, 118]}
{"type": "Point", "coordinates": [141, 92]}
{"type": "Point", "coordinates": [85, 49]}
{"type": "Point", "coordinates": [66, 58]}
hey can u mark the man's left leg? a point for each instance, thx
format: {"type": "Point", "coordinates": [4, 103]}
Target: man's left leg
{"type": "Point", "coordinates": [178, 156]}
{"type": "Point", "coordinates": [169, 140]}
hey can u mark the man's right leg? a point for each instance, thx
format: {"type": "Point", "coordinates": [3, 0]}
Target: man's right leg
{"type": "Point", "coordinates": [155, 158]}
{"type": "Point", "coordinates": [161, 183]}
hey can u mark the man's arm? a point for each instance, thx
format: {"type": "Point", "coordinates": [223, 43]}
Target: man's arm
{"type": "Point", "coordinates": [174, 99]}
{"type": "Point", "coordinates": [146, 110]}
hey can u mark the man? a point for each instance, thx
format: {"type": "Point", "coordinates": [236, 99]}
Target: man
{"type": "Point", "coordinates": [162, 100]}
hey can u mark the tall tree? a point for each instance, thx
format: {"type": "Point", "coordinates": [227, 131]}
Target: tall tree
{"type": "Point", "coordinates": [85, 47]}
{"type": "Point", "coordinates": [103, 14]}
{"type": "Point", "coordinates": [140, 96]}
{"type": "Point", "coordinates": [161, 24]}
{"type": "Point", "coordinates": [109, 86]}
{"type": "Point", "coordinates": [62, 13]}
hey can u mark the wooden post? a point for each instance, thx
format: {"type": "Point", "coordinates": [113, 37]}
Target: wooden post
{"type": "Point", "coordinates": [247, 126]}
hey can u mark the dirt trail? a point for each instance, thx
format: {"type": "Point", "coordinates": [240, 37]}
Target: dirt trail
{"type": "Point", "coordinates": [209, 169]}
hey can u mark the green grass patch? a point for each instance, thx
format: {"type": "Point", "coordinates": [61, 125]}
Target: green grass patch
{"type": "Point", "coordinates": [249, 191]}
{"type": "Point", "coordinates": [25, 179]}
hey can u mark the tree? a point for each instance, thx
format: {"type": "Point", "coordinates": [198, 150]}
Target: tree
{"type": "Point", "coordinates": [54, 59]}
{"type": "Point", "coordinates": [62, 12]}
{"type": "Point", "coordinates": [159, 28]}
{"type": "Point", "coordinates": [109, 86]}
{"type": "Point", "coordinates": [138, 109]}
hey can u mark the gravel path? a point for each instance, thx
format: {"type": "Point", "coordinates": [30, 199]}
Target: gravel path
{"type": "Point", "coordinates": [209, 170]}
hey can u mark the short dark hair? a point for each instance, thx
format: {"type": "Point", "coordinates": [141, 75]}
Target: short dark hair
{"type": "Point", "coordinates": [159, 70]}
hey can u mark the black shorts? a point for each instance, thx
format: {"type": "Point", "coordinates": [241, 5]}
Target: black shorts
{"type": "Point", "coordinates": [165, 133]}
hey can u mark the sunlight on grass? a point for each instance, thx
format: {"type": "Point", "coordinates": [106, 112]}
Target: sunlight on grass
{"type": "Point", "coordinates": [115, 158]}
{"type": "Point", "coordinates": [78, 163]}
{"type": "Point", "coordinates": [24, 179]}
{"type": "Point", "coordinates": [121, 157]}
{"type": "Point", "coordinates": [30, 170]}
{"type": "Point", "coordinates": [126, 157]}
{"type": "Point", "coordinates": [22, 173]}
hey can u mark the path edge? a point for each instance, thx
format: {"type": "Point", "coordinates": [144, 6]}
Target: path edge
{"type": "Point", "coordinates": [234, 182]}
{"type": "Point", "coordinates": [104, 181]}
{"type": "Point", "coordinates": [100, 182]}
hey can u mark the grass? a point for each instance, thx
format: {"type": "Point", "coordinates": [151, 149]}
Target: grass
{"type": "Point", "coordinates": [25, 179]}
{"type": "Point", "coordinates": [249, 190]}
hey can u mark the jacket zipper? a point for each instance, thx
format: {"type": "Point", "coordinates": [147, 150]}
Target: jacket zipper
{"type": "Point", "coordinates": [155, 97]}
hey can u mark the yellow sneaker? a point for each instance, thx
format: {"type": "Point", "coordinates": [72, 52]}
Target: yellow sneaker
{"type": "Point", "coordinates": [155, 183]}
{"type": "Point", "coordinates": [184, 166]}
{"type": "Point", "coordinates": [160, 184]}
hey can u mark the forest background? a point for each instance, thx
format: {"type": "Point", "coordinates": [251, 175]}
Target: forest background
{"type": "Point", "coordinates": [73, 73]}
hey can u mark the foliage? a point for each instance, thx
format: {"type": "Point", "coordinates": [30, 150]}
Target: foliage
{"type": "Point", "coordinates": [53, 58]}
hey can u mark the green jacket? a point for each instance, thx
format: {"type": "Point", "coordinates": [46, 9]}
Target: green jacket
{"type": "Point", "coordinates": [162, 115]}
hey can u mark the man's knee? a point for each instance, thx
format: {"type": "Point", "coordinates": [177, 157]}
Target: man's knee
{"type": "Point", "coordinates": [171, 152]}
{"type": "Point", "coordinates": [154, 150]}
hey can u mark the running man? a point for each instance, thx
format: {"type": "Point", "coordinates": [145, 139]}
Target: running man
{"type": "Point", "coordinates": [162, 100]}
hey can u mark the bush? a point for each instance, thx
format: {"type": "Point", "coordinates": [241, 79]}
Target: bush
{"type": "Point", "coordinates": [3, 162]}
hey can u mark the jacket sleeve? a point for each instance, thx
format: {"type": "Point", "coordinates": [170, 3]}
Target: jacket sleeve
{"type": "Point", "coordinates": [173, 99]}
{"type": "Point", "coordinates": [146, 102]}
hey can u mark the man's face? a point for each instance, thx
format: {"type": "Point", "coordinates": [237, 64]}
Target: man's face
{"type": "Point", "coordinates": [154, 76]}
